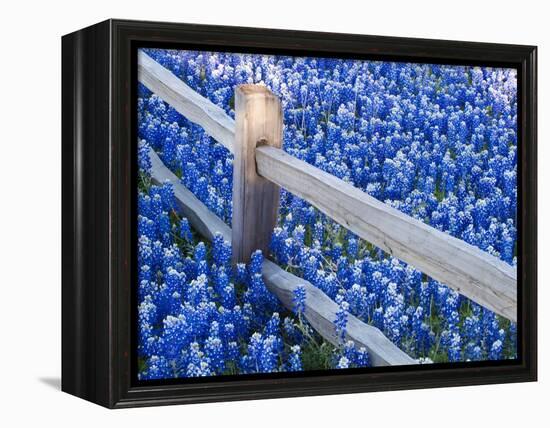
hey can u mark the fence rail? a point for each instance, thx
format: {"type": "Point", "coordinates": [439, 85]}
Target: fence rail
{"type": "Point", "coordinates": [470, 271]}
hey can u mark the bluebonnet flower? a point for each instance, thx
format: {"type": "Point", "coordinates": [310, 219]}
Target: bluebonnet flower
{"type": "Point", "coordinates": [228, 296]}
{"type": "Point", "coordinates": [310, 268]}
{"type": "Point", "coordinates": [200, 252]}
{"type": "Point", "coordinates": [185, 230]}
{"type": "Point", "coordinates": [200, 260]}
{"type": "Point", "coordinates": [299, 299]}
{"type": "Point", "coordinates": [146, 227]}
{"type": "Point", "coordinates": [356, 296]}
{"type": "Point", "coordinates": [378, 318]}
{"type": "Point", "coordinates": [158, 367]}
{"type": "Point", "coordinates": [273, 325]}
{"type": "Point", "coordinates": [291, 331]}
{"type": "Point", "coordinates": [336, 252]}
{"type": "Point", "coordinates": [295, 360]}
{"type": "Point", "coordinates": [197, 291]}
{"type": "Point", "coordinates": [299, 234]}
{"type": "Point", "coordinates": [455, 346]}
{"type": "Point", "coordinates": [156, 204]}
{"type": "Point", "coordinates": [198, 364]}
{"type": "Point", "coordinates": [166, 192]}
{"type": "Point", "coordinates": [318, 232]}
{"type": "Point", "coordinates": [164, 228]}
{"type": "Point", "coordinates": [472, 352]}
{"type": "Point", "coordinates": [392, 326]}
{"type": "Point", "coordinates": [328, 283]}
{"type": "Point", "coordinates": [268, 355]}
{"type": "Point", "coordinates": [362, 358]}
{"type": "Point", "coordinates": [175, 334]}
{"type": "Point", "coordinates": [341, 321]}
{"type": "Point", "coordinates": [353, 248]}
{"type": "Point", "coordinates": [259, 356]}
{"type": "Point", "coordinates": [343, 363]}
{"type": "Point", "coordinates": [496, 350]}
{"type": "Point", "coordinates": [221, 280]}
{"type": "Point", "coordinates": [255, 265]}
{"type": "Point", "coordinates": [214, 350]}
{"type": "Point", "coordinates": [240, 274]}
{"type": "Point", "coordinates": [221, 250]}
{"type": "Point", "coordinates": [349, 351]}
{"type": "Point", "coordinates": [143, 157]}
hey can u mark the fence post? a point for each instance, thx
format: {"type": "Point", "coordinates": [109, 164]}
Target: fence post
{"type": "Point", "coordinates": [259, 121]}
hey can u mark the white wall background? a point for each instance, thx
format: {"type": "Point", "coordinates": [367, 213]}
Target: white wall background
{"type": "Point", "coordinates": [30, 210]}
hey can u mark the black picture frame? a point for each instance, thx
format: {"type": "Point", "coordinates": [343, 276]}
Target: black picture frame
{"type": "Point", "coordinates": [98, 211]}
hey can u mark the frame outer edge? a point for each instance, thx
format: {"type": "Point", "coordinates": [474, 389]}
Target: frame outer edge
{"type": "Point", "coordinates": [86, 330]}
{"type": "Point", "coordinates": [114, 320]}
{"type": "Point", "coordinates": [531, 188]}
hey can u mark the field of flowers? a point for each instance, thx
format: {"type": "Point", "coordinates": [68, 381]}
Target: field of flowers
{"type": "Point", "coordinates": [437, 142]}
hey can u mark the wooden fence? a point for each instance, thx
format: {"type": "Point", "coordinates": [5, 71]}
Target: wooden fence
{"type": "Point", "coordinates": [261, 166]}
{"type": "Point", "coordinates": [320, 310]}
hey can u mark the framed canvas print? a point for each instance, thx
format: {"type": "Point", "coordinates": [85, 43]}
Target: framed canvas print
{"type": "Point", "coordinates": [253, 213]}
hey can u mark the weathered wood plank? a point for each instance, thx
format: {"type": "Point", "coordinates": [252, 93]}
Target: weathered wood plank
{"type": "Point", "coordinates": [258, 117]}
{"type": "Point", "coordinates": [472, 272]}
{"type": "Point", "coordinates": [186, 101]}
{"type": "Point", "coordinates": [320, 310]}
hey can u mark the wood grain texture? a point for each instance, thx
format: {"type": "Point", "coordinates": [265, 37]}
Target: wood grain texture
{"type": "Point", "coordinates": [320, 309]}
{"type": "Point", "coordinates": [259, 119]}
{"type": "Point", "coordinates": [472, 272]}
{"type": "Point", "coordinates": [186, 101]}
